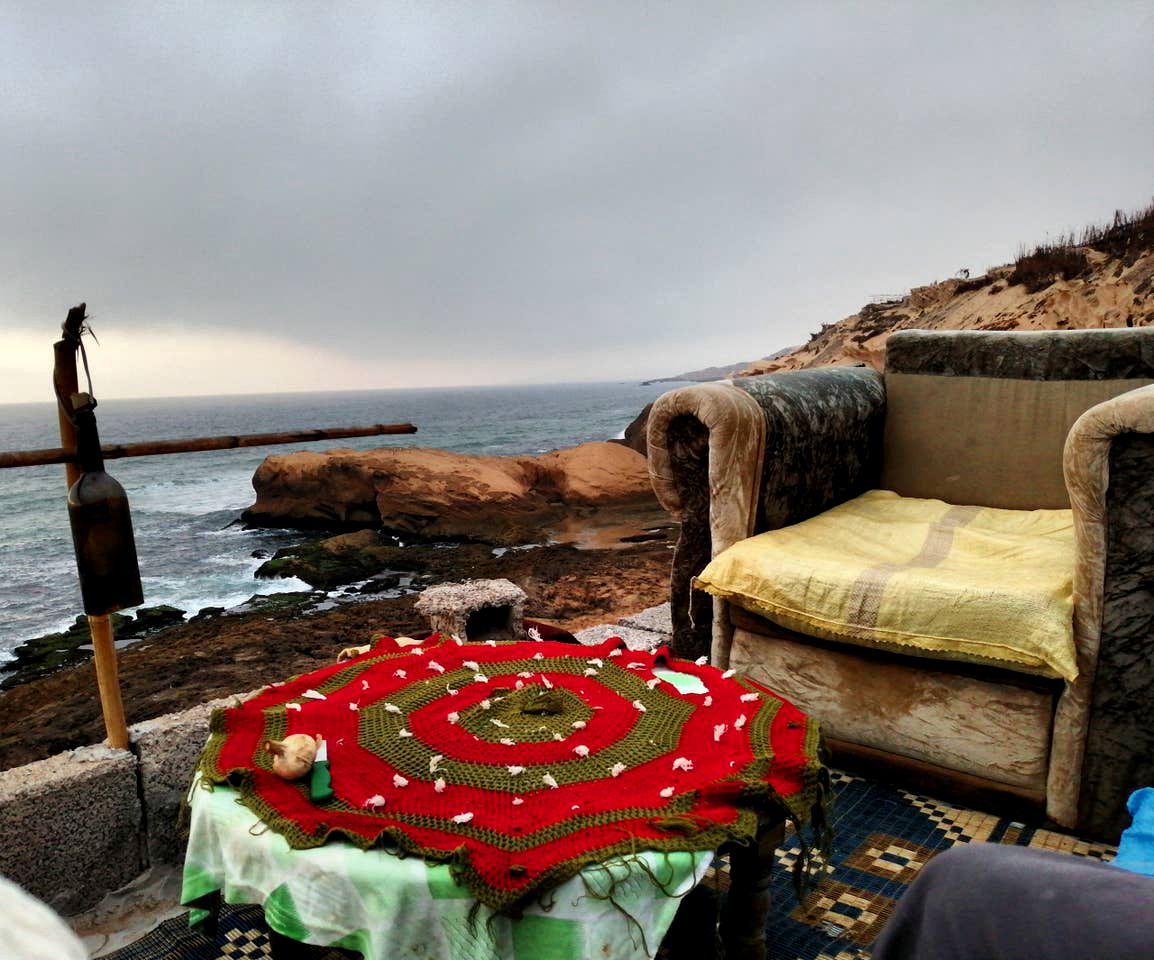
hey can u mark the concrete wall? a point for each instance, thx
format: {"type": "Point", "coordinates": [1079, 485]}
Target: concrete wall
{"type": "Point", "coordinates": [81, 824]}
{"type": "Point", "coordinates": [70, 826]}
{"type": "Point", "coordinates": [167, 749]}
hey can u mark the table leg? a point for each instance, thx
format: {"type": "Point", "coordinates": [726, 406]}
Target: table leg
{"type": "Point", "coordinates": [747, 907]}
{"type": "Point", "coordinates": [210, 902]}
{"type": "Point", "coordinates": [286, 948]}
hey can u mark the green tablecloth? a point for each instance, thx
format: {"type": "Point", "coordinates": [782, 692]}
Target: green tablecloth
{"type": "Point", "coordinates": [385, 906]}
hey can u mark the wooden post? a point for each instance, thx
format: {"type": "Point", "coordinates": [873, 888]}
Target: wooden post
{"type": "Point", "coordinates": [103, 649]}
{"type": "Point", "coordinates": [108, 681]}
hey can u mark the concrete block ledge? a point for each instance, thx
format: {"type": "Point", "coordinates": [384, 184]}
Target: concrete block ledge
{"type": "Point", "coordinates": [70, 826]}
{"type": "Point", "coordinates": [167, 749]}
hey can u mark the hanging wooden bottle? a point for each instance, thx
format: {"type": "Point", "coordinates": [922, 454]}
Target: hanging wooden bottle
{"type": "Point", "coordinates": [101, 528]}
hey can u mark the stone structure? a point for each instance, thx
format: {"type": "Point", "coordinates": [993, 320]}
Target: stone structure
{"type": "Point", "coordinates": [475, 610]}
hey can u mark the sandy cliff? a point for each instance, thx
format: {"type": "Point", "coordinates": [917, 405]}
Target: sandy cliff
{"type": "Point", "coordinates": [1105, 282]}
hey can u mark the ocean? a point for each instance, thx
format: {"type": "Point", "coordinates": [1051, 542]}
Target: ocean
{"type": "Point", "coordinates": [193, 551]}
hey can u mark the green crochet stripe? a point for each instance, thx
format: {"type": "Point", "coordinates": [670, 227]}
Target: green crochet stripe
{"type": "Point", "coordinates": [657, 731]}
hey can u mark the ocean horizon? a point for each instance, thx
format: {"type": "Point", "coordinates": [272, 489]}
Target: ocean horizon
{"type": "Point", "coordinates": [193, 551]}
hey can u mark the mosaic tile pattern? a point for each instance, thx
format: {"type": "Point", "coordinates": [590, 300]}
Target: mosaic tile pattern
{"type": "Point", "coordinates": [883, 837]}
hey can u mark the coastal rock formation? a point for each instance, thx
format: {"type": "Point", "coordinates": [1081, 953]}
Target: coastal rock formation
{"type": "Point", "coordinates": [1107, 280]}
{"type": "Point", "coordinates": [435, 494]}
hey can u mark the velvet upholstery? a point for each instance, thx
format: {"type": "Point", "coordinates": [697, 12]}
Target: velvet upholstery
{"type": "Point", "coordinates": [1103, 733]}
{"type": "Point", "coordinates": [818, 434]}
{"type": "Point", "coordinates": [1119, 354]}
{"type": "Point", "coordinates": [823, 444]}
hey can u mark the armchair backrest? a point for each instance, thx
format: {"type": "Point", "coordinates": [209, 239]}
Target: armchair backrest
{"type": "Point", "coordinates": [981, 417]}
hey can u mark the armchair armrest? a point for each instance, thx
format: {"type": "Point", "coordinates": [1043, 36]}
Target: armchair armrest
{"type": "Point", "coordinates": [729, 459]}
{"type": "Point", "coordinates": [1103, 732]}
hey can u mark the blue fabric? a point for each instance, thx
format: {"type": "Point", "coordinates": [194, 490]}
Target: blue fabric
{"type": "Point", "coordinates": [1136, 849]}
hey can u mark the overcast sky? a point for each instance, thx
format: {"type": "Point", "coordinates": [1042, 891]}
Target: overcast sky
{"type": "Point", "coordinates": [292, 196]}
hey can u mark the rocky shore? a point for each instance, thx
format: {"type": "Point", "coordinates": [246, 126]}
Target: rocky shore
{"type": "Point", "coordinates": [437, 495]}
{"type": "Point", "coordinates": [579, 530]}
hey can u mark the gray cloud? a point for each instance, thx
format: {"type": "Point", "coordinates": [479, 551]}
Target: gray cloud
{"type": "Point", "coordinates": [524, 179]}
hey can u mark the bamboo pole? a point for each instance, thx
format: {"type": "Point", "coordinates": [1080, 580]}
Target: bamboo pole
{"type": "Point", "coordinates": [66, 452]}
{"type": "Point", "coordinates": [100, 627]}
{"type": "Point", "coordinates": [108, 681]}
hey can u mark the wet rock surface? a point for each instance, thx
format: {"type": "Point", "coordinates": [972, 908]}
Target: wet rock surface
{"type": "Point", "coordinates": [272, 637]}
{"type": "Point", "coordinates": [416, 493]}
{"type": "Point", "coordinates": [44, 655]}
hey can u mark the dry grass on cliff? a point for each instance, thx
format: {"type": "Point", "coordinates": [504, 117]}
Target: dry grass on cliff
{"type": "Point", "coordinates": [1065, 257]}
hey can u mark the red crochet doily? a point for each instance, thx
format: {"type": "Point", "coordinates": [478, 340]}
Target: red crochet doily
{"type": "Point", "coordinates": [520, 763]}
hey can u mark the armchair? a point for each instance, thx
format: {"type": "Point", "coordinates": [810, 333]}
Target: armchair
{"type": "Point", "coordinates": [1016, 421]}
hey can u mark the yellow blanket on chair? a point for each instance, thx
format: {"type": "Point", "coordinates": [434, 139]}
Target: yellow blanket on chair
{"type": "Point", "coordinates": [918, 576]}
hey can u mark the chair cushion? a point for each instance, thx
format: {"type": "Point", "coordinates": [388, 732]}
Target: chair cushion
{"type": "Point", "coordinates": [978, 584]}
